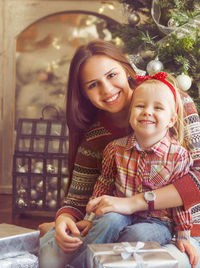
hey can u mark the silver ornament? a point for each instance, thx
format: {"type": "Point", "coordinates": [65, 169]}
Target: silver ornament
{"type": "Point", "coordinates": [22, 169]}
{"type": "Point", "coordinates": [50, 168]}
{"type": "Point", "coordinates": [37, 170]}
{"type": "Point", "coordinates": [55, 192]}
{"type": "Point", "coordinates": [39, 186]}
{"type": "Point", "coordinates": [64, 170]}
{"type": "Point", "coordinates": [64, 182]}
{"type": "Point", "coordinates": [21, 203]}
{"type": "Point", "coordinates": [53, 182]}
{"type": "Point", "coordinates": [172, 23]}
{"type": "Point", "coordinates": [22, 192]}
{"type": "Point", "coordinates": [154, 66]}
{"type": "Point", "coordinates": [62, 194]}
{"type": "Point", "coordinates": [184, 81]}
{"type": "Point", "coordinates": [49, 196]}
{"type": "Point", "coordinates": [34, 194]}
{"type": "Point", "coordinates": [133, 18]}
{"type": "Point", "coordinates": [52, 203]}
{"type": "Point", "coordinates": [40, 203]}
{"type": "Point", "coordinates": [39, 165]}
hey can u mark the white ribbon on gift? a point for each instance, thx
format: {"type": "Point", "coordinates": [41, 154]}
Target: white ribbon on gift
{"type": "Point", "coordinates": [127, 251]}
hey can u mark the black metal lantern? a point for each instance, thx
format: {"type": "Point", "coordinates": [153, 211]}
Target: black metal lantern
{"type": "Point", "coordinates": [40, 174]}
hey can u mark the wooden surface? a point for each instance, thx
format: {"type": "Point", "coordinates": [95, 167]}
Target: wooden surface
{"type": "Point", "coordinates": [29, 220]}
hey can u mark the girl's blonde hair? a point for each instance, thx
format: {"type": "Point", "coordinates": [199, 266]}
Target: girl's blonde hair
{"type": "Point", "coordinates": [177, 131]}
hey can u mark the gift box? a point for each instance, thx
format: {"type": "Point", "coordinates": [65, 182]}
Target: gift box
{"type": "Point", "coordinates": [24, 260]}
{"type": "Point", "coordinates": [15, 240]}
{"type": "Point", "coordinates": [125, 254]}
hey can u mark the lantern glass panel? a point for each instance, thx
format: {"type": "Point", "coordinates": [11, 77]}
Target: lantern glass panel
{"type": "Point", "coordinates": [52, 166]}
{"type": "Point", "coordinates": [41, 128]}
{"type": "Point", "coordinates": [65, 147]}
{"type": "Point", "coordinates": [26, 128]}
{"type": "Point", "coordinates": [64, 169]}
{"type": "Point", "coordinates": [21, 191]}
{"type": "Point", "coordinates": [21, 164]}
{"type": "Point", "coordinates": [36, 165]}
{"type": "Point", "coordinates": [39, 145]}
{"type": "Point", "coordinates": [36, 191]}
{"type": "Point", "coordinates": [64, 183]}
{"type": "Point", "coordinates": [24, 144]}
{"type": "Point", "coordinates": [56, 129]}
{"type": "Point", "coordinates": [53, 146]}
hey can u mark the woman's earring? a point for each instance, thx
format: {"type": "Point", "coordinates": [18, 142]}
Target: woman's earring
{"type": "Point", "coordinates": [129, 78]}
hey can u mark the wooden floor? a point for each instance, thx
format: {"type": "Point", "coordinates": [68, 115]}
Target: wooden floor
{"type": "Point", "coordinates": [28, 220]}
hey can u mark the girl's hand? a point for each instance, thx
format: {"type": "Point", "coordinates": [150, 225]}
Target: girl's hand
{"type": "Point", "coordinates": [63, 227]}
{"type": "Point", "coordinates": [187, 247]}
{"type": "Point", "coordinates": [106, 203]}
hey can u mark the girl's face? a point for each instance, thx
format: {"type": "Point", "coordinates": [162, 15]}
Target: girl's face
{"type": "Point", "coordinates": [152, 112]}
{"type": "Point", "coordinates": [105, 83]}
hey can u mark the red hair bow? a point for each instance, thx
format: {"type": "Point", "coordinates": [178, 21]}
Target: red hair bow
{"type": "Point", "coordinates": [161, 76]}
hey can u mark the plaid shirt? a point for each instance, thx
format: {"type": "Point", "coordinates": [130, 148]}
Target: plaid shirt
{"type": "Point", "coordinates": [127, 170]}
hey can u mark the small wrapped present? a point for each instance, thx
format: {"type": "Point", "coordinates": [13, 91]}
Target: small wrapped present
{"type": "Point", "coordinates": [15, 240]}
{"type": "Point", "coordinates": [125, 254]}
{"type": "Point", "coordinates": [24, 260]}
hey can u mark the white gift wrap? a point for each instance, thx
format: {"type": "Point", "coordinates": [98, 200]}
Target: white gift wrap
{"type": "Point", "coordinates": [25, 260]}
{"type": "Point", "coordinates": [16, 239]}
{"type": "Point", "coordinates": [134, 255]}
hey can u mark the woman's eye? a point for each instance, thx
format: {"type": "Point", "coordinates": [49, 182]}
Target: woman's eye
{"type": "Point", "coordinates": [92, 85]}
{"type": "Point", "coordinates": [111, 75]}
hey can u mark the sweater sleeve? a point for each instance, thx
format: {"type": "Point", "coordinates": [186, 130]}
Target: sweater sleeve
{"type": "Point", "coordinates": [182, 218]}
{"type": "Point", "coordinates": [105, 184]}
{"type": "Point", "coordinates": [84, 176]}
{"type": "Point", "coordinates": [188, 186]}
{"type": "Point", "coordinates": [87, 169]}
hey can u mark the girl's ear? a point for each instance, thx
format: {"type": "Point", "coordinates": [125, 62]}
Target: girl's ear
{"type": "Point", "coordinates": [173, 120]}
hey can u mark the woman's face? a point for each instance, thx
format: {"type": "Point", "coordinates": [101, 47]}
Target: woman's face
{"type": "Point", "coordinates": [105, 83]}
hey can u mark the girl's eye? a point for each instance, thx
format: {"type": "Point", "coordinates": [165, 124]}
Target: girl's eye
{"type": "Point", "coordinates": [140, 106]}
{"type": "Point", "coordinates": [92, 85]}
{"type": "Point", "coordinates": [158, 108]}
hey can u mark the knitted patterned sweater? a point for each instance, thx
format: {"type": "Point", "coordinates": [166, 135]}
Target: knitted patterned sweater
{"type": "Point", "coordinates": [87, 166]}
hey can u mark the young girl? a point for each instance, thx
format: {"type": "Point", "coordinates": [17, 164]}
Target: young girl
{"type": "Point", "coordinates": [98, 98]}
{"type": "Point", "coordinates": [146, 160]}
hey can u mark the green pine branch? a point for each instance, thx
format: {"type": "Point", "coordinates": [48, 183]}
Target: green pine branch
{"type": "Point", "coordinates": [177, 54]}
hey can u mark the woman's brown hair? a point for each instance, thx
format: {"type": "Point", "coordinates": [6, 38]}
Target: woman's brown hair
{"type": "Point", "coordinates": [80, 112]}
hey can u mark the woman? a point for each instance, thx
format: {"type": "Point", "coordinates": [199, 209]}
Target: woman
{"type": "Point", "coordinates": [99, 94]}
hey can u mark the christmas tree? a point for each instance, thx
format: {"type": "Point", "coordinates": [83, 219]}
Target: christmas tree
{"type": "Point", "coordinates": [164, 34]}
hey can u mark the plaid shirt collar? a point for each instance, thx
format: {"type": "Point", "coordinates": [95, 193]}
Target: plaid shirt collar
{"type": "Point", "coordinates": [160, 148]}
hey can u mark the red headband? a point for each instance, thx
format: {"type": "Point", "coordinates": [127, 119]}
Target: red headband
{"type": "Point", "coordinates": [161, 77]}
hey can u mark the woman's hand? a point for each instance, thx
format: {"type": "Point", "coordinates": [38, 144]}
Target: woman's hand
{"type": "Point", "coordinates": [123, 205]}
{"type": "Point", "coordinates": [65, 225]}
{"type": "Point", "coordinates": [190, 250]}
